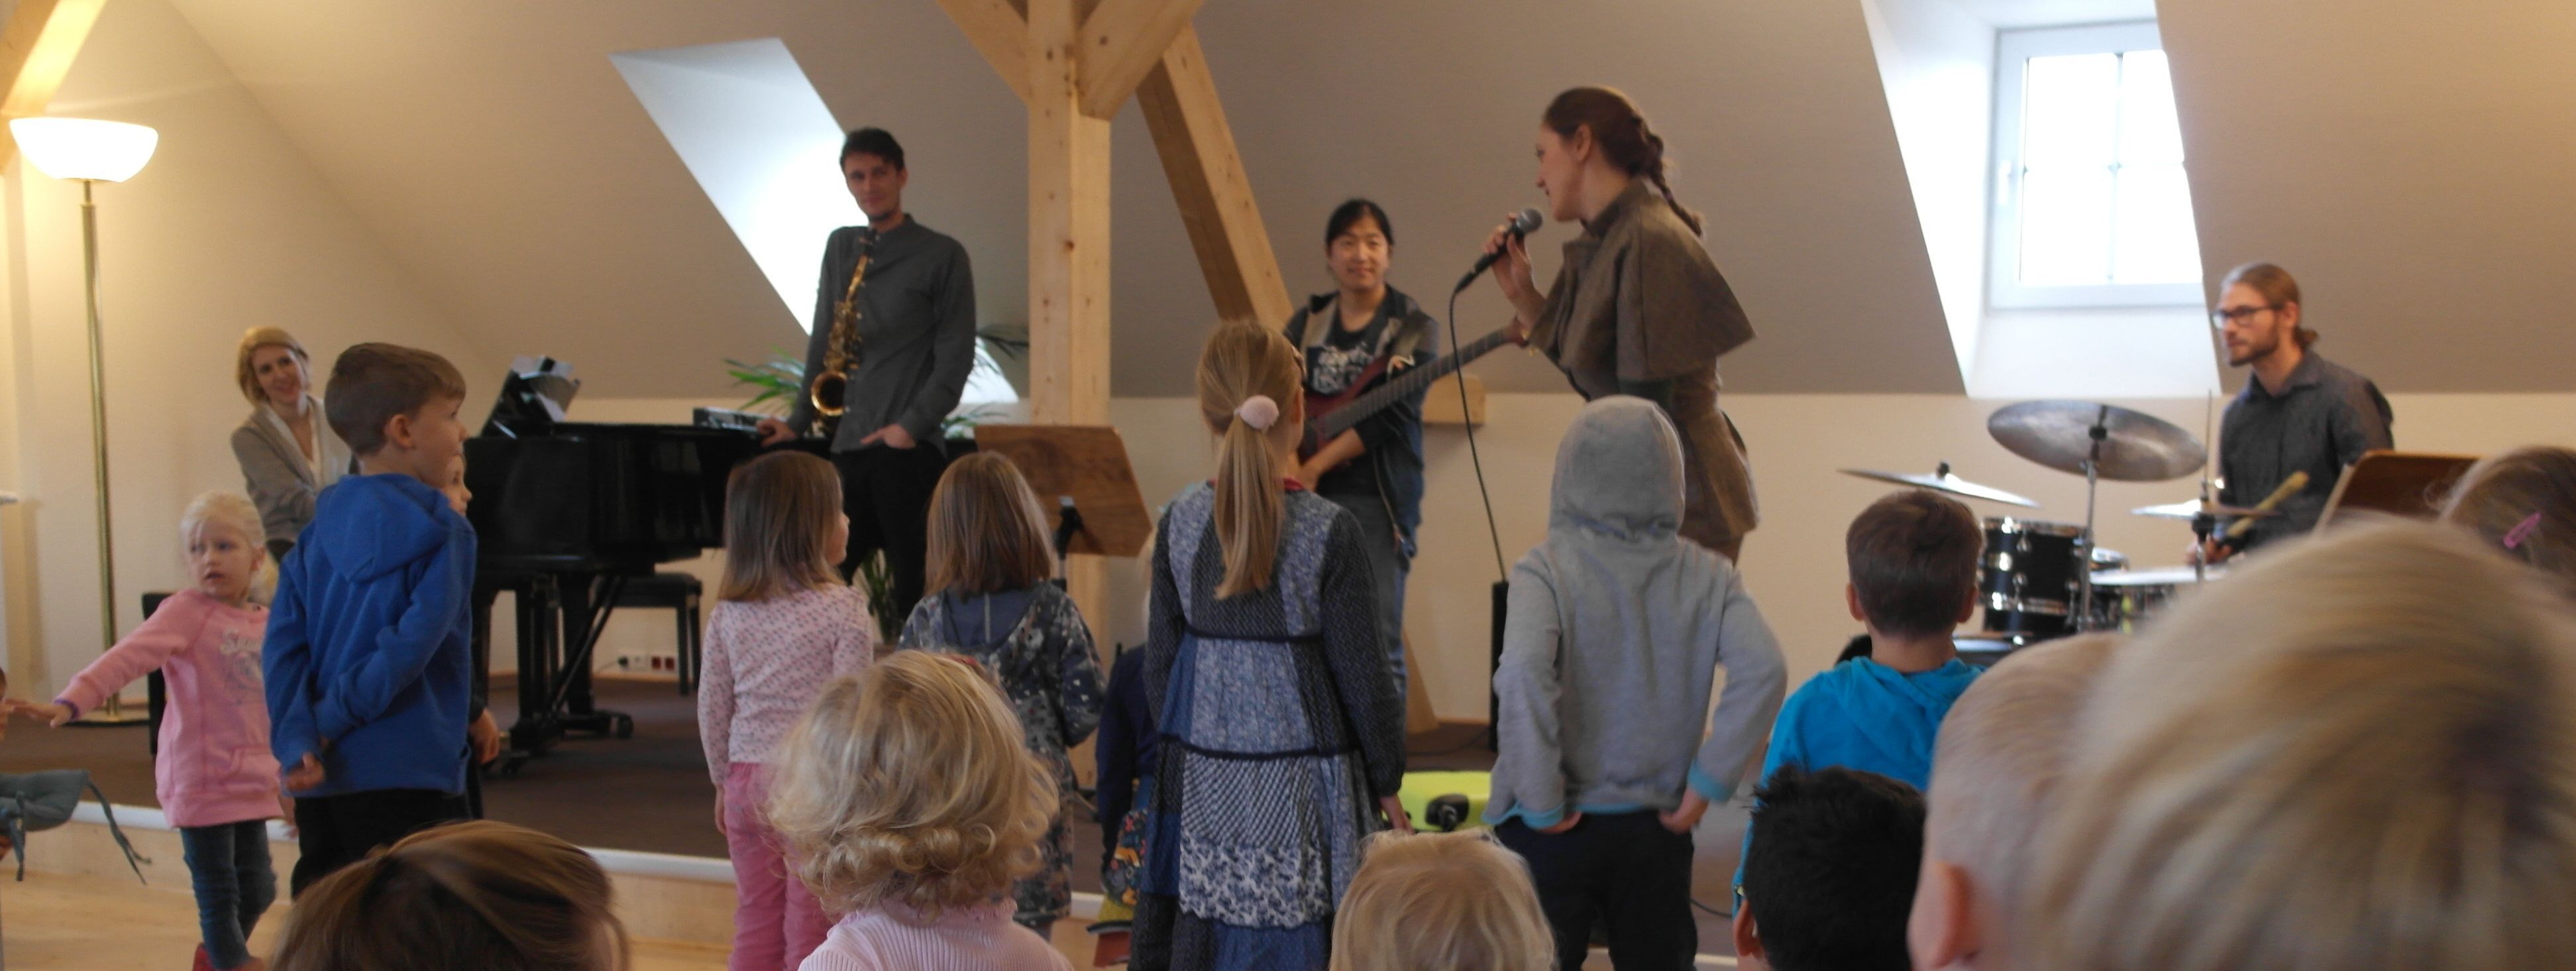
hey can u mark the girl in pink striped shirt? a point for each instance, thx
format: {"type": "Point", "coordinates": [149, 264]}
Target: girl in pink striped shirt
{"type": "Point", "coordinates": [215, 777]}
{"type": "Point", "coordinates": [910, 802]}
{"type": "Point", "coordinates": [784, 625]}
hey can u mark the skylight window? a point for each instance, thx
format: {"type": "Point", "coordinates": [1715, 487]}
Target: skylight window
{"type": "Point", "coordinates": [757, 137]}
{"type": "Point", "coordinates": [2092, 207]}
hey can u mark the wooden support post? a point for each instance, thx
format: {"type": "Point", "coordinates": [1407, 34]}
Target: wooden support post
{"type": "Point", "coordinates": [1068, 230]}
{"type": "Point", "coordinates": [36, 51]}
{"type": "Point", "coordinates": [1073, 63]}
{"type": "Point", "coordinates": [1068, 258]}
{"type": "Point", "coordinates": [1199, 158]}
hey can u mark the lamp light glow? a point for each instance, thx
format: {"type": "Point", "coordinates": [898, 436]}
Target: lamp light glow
{"type": "Point", "coordinates": [85, 148]}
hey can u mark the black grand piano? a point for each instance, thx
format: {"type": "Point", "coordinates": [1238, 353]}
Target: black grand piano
{"type": "Point", "coordinates": [567, 513]}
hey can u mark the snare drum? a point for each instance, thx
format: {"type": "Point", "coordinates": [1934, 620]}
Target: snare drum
{"type": "Point", "coordinates": [2028, 582]}
{"type": "Point", "coordinates": [2123, 599]}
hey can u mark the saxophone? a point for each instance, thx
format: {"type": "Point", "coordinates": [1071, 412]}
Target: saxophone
{"type": "Point", "coordinates": [830, 389]}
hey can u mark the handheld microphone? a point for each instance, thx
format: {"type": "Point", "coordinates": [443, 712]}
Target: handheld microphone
{"type": "Point", "coordinates": [1522, 225]}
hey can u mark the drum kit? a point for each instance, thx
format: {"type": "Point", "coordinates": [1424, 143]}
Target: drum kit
{"type": "Point", "coordinates": [2042, 579]}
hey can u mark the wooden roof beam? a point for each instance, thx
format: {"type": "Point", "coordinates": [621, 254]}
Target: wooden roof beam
{"type": "Point", "coordinates": [37, 48]}
{"type": "Point", "coordinates": [1217, 207]}
{"type": "Point", "coordinates": [1120, 42]}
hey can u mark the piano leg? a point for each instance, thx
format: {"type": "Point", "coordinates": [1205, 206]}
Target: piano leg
{"type": "Point", "coordinates": [585, 615]}
{"type": "Point", "coordinates": [512, 756]}
{"type": "Point", "coordinates": [537, 727]}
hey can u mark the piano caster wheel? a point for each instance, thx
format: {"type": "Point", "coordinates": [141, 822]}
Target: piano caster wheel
{"type": "Point", "coordinates": [621, 726]}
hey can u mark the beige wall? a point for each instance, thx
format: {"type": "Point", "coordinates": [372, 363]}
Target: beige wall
{"type": "Point", "coordinates": [1793, 563]}
{"type": "Point", "coordinates": [227, 228]}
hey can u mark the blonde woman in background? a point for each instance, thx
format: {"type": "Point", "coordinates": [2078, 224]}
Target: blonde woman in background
{"type": "Point", "coordinates": [2358, 753]}
{"type": "Point", "coordinates": [288, 452]}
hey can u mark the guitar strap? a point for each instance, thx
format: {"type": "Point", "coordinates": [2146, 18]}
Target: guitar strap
{"type": "Point", "coordinates": [1395, 344]}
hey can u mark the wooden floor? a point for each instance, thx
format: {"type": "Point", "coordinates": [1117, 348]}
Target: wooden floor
{"type": "Point", "coordinates": [55, 922]}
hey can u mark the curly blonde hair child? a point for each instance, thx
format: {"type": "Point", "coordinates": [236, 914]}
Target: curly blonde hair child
{"type": "Point", "coordinates": [1438, 901]}
{"type": "Point", "coordinates": [909, 802]}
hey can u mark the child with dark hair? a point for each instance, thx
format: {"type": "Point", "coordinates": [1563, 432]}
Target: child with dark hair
{"type": "Point", "coordinates": [1913, 559]}
{"type": "Point", "coordinates": [1829, 879]}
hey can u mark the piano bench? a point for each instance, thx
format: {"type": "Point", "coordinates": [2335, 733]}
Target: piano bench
{"type": "Point", "coordinates": [678, 593]}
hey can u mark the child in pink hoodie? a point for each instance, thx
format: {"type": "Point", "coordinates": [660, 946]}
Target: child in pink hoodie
{"type": "Point", "coordinates": [216, 779]}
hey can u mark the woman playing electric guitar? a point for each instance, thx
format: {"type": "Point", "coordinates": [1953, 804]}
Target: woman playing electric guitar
{"type": "Point", "coordinates": [1352, 338]}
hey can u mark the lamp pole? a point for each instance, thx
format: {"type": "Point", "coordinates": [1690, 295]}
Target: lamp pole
{"type": "Point", "coordinates": [89, 151]}
{"type": "Point", "coordinates": [112, 713]}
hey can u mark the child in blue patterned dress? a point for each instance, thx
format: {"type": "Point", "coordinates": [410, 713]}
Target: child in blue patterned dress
{"type": "Point", "coordinates": [1283, 741]}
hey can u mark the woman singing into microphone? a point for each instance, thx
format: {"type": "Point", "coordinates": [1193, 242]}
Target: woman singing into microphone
{"type": "Point", "coordinates": [1638, 308]}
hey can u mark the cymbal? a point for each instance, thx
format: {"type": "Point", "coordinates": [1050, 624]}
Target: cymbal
{"type": "Point", "coordinates": [1943, 481]}
{"type": "Point", "coordinates": [2136, 446]}
{"type": "Point", "coordinates": [2193, 508]}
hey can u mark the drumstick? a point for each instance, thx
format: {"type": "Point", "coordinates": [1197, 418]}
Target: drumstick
{"type": "Point", "coordinates": [2289, 487]}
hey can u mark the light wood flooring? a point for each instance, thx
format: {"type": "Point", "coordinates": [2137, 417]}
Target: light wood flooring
{"type": "Point", "coordinates": [57, 922]}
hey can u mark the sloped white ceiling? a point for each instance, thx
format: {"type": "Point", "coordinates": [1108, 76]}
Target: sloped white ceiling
{"type": "Point", "coordinates": [494, 148]}
{"type": "Point", "coordinates": [2412, 164]}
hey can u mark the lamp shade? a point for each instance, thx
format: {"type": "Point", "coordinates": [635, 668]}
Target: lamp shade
{"type": "Point", "coordinates": [85, 148]}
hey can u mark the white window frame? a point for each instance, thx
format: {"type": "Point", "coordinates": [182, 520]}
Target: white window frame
{"type": "Point", "coordinates": [2004, 289]}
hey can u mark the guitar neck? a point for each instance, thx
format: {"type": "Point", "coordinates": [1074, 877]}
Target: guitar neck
{"type": "Point", "coordinates": [1401, 386]}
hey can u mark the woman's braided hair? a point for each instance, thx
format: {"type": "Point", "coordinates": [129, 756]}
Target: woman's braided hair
{"type": "Point", "coordinates": [1621, 131]}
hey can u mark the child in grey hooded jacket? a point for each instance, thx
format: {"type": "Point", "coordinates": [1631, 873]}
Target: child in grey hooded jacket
{"type": "Point", "coordinates": [1616, 629]}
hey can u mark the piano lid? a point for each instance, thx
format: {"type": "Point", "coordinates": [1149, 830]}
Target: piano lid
{"type": "Point", "coordinates": [535, 396]}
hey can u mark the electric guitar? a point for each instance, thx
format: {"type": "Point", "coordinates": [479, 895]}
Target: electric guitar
{"type": "Point", "coordinates": [1328, 416]}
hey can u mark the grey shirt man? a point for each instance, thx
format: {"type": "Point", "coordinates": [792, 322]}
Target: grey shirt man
{"type": "Point", "coordinates": [2322, 419]}
{"type": "Point", "coordinates": [916, 332]}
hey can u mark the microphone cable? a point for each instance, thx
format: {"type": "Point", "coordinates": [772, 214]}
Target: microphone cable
{"type": "Point", "coordinates": [1467, 418]}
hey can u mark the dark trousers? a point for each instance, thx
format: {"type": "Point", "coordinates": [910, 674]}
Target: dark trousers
{"type": "Point", "coordinates": [1388, 568]}
{"type": "Point", "coordinates": [228, 866]}
{"type": "Point", "coordinates": [886, 492]}
{"type": "Point", "coordinates": [335, 831]}
{"type": "Point", "coordinates": [1624, 870]}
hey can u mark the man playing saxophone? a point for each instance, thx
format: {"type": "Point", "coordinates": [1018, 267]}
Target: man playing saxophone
{"type": "Point", "coordinates": [906, 347]}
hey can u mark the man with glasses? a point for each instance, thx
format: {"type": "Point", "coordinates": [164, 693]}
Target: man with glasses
{"type": "Point", "coordinates": [2300, 413]}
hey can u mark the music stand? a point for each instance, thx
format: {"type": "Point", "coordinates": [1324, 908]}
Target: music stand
{"type": "Point", "coordinates": [1083, 481]}
{"type": "Point", "coordinates": [2408, 484]}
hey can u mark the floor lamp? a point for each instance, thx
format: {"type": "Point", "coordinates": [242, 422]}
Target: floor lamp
{"type": "Point", "coordinates": [90, 152]}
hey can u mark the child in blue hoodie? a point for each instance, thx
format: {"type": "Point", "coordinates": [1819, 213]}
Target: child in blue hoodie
{"type": "Point", "coordinates": [367, 663]}
{"type": "Point", "coordinates": [1913, 557]}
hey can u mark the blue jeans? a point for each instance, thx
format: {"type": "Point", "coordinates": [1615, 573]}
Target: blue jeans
{"type": "Point", "coordinates": [1389, 564]}
{"type": "Point", "coordinates": [228, 863]}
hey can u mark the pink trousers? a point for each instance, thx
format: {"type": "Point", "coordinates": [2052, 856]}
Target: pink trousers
{"type": "Point", "coordinates": [776, 923]}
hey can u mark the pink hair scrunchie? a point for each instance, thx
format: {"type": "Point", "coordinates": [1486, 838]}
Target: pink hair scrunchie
{"type": "Point", "coordinates": [1258, 411]}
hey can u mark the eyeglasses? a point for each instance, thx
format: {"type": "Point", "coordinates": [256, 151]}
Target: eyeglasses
{"type": "Point", "coordinates": [2237, 315]}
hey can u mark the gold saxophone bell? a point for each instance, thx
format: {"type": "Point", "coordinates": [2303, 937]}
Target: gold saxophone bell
{"type": "Point", "coordinates": [830, 388]}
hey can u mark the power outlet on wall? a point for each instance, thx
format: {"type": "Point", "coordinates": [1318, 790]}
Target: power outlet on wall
{"type": "Point", "coordinates": [642, 663]}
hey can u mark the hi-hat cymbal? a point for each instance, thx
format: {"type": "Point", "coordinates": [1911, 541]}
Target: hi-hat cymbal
{"type": "Point", "coordinates": [2194, 508]}
{"type": "Point", "coordinates": [1943, 481]}
{"type": "Point", "coordinates": [2136, 446]}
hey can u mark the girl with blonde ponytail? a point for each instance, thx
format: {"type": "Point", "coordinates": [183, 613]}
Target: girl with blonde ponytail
{"type": "Point", "coordinates": [1282, 741]}
{"type": "Point", "coordinates": [1638, 307]}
